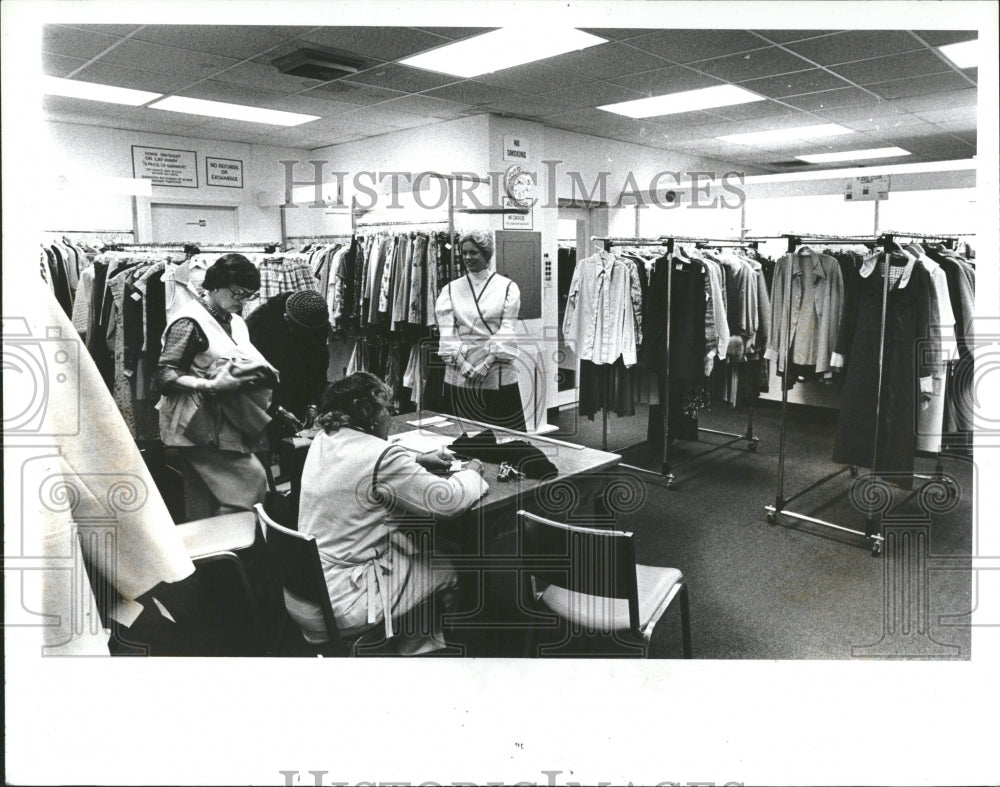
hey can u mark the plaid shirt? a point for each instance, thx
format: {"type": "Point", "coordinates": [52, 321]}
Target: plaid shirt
{"type": "Point", "coordinates": [288, 273]}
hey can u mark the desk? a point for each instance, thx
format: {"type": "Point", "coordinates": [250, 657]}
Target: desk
{"type": "Point", "coordinates": [483, 545]}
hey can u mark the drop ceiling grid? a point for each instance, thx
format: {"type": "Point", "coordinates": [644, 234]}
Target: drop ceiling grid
{"type": "Point", "coordinates": [814, 76]}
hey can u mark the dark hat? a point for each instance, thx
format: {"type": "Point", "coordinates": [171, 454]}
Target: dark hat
{"type": "Point", "coordinates": [308, 309]}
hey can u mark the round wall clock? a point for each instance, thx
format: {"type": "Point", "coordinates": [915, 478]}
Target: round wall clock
{"type": "Point", "coordinates": [519, 185]}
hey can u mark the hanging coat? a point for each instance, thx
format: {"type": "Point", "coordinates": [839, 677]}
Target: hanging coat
{"type": "Point", "coordinates": [907, 317]}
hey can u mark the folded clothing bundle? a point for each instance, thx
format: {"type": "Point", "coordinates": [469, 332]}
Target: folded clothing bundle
{"type": "Point", "coordinates": [521, 455]}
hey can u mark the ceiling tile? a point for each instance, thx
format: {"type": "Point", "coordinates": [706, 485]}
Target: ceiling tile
{"type": "Point", "coordinates": [310, 104]}
{"type": "Point", "coordinates": [533, 78]}
{"type": "Point", "coordinates": [685, 46]}
{"type": "Point", "coordinates": [166, 59]}
{"type": "Point", "coordinates": [942, 37]}
{"type": "Point", "coordinates": [684, 120]}
{"type": "Point", "coordinates": [878, 109]}
{"type": "Point", "coordinates": [811, 81]}
{"type": "Point", "coordinates": [457, 33]}
{"type": "Point", "coordinates": [831, 99]}
{"type": "Point", "coordinates": [951, 115]}
{"type": "Point", "coordinates": [229, 93]}
{"type": "Point", "coordinates": [609, 60]}
{"type": "Point", "coordinates": [71, 42]}
{"type": "Point", "coordinates": [572, 118]}
{"type": "Point", "coordinates": [593, 94]}
{"type": "Point", "coordinates": [266, 76]}
{"type": "Point", "coordinates": [968, 137]}
{"type": "Point", "coordinates": [425, 105]}
{"type": "Point", "coordinates": [920, 86]}
{"type": "Point", "coordinates": [663, 81]}
{"type": "Point", "coordinates": [524, 104]}
{"type": "Point", "coordinates": [787, 36]}
{"type": "Point", "coordinates": [235, 41]}
{"type": "Point", "coordinates": [469, 91]}
{"type": "Point", "coordinates": [749, 65]}
{"type": "Point", "coordinates": [78, 106]}
{"type": "Point", "coordinates": [960, 126]}
{"type": "Point", "coordinates": [361, 95]}
{"type": "Point", "coordinates": [885, 123]}
{"type": "Point", "coordinates": [385, 43]}
{"type": "Point", "coordinates": [856, 45]}
{"type": "Point", "coordinates": [615, 33]}
{"type": "Point", "coordinates": [119, 76]}
{"type": "Point", "coordinates": [883, 69]}
{"type": "Point", "coordinates": [402, 78]}
{"type": "Point", "coordinates": [955, 98]}
{"type": "Point", "coordinates": [60, 65]}
{"type": "Point", "coordinates": [109, 30]}
{"type": "Point", "coordinates": [380, 116]}
{"type": "Point", "coordinates": [752, 111]}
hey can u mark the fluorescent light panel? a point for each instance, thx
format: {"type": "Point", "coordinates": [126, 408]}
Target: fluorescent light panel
{"type": "Point", "coordinates": [688, 101]}
{"type": "Point", "coordinates": [92, 91]}
{"type": "Point", "coordinates": [778, 135]}
{"type": "Point", "coordinates": [964, 54]}
{"type": "Point", "coordinates": [220, 109]}
{"type": "Point", "coordinates": [500, 49]}
{"type": "Point", "coordinates": [853, 155]}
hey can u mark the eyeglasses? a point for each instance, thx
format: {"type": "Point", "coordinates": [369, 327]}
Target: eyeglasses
{"type": "Point", "coordinates": [242, 295]}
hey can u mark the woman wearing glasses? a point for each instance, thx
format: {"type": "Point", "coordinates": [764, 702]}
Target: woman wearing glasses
{"type": "Point", "coordinates": [216, 387]}
{"type": "Point", "coordinates": [357, 489]}
{"type": "Point", "coordinates": [476, 314]}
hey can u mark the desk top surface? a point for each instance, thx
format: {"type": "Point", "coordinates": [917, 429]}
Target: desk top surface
{"type": "Point", "coordinates": [571, 460]}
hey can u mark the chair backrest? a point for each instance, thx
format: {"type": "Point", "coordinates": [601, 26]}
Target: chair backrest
{"type": "Point", "coordinates": [295, 559]}
{"type": "Point", "coordinates": [596, 561]}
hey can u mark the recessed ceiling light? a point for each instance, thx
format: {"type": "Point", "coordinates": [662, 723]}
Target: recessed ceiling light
{"type": "Point", "coordinates": [220, 109]}
{"type": "Point", "coordinates": [92, 91]}
{"type": "Point", "coordinates": [853, 155]}
{"type": "Point", "coordinates": [778, 135]}
{"type": "Point", "coordinates": [964, 54]}
{"type": "Point", "coordinates": [688, 101]}
{"type": "Point", "coordinates": [500, 49]}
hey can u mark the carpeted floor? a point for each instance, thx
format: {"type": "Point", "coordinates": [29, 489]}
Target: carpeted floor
{"type": "Point", "coordinates": [791, 590]}
{"type": "Point", "coordinates": [796, 590]}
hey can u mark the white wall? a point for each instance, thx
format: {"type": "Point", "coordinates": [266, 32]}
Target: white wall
{"type": "Point", "coordinates": [81, 152]}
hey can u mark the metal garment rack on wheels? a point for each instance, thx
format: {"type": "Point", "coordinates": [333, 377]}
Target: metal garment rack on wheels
{"type": "Point", "coordinates": [666, 469]}
{"type": "Point", "coordinates": [872, 530]}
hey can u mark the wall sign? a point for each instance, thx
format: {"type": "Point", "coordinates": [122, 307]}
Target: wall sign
{"type": "Point", "coordinates": [176, 168]}
{"type": "Point", "coordinates": [226, 172]}
{"type": "Point", "coordinates": [867, 187]}
{"type": "Point", "coordinates": [515, 149]}
{"type": "Point", "coordinates": [517, 221]}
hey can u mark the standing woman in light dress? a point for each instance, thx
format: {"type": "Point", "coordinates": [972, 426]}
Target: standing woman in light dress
{"type": "Point", "coordinates": [476, 314]}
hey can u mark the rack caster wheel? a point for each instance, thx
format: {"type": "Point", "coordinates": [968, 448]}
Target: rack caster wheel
{"type": "Point", "coordinates": [854, 471]}
{"type": "Point", "coordinates": [876, 548]}
{"type": "Point", "coordinates": [772, 519]}
{"type": "Point", "coordinates": [752, 447]}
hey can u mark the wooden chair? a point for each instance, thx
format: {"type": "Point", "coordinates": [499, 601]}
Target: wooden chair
{"type": "Point", "coordinates": [589, 578]}
{"type": "Point", "coordinates": [296, 564]}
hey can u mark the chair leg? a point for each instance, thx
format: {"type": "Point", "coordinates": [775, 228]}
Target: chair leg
{"type": "Point", "coordinates": [244, 579]}
{"type": "Point", "coordinates": [685, 623]}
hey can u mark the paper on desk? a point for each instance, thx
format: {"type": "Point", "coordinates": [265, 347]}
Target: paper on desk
{"type": "Point", "coordinates": [420, 441]}
{"type": "Point", "coordinates": [436, 419]}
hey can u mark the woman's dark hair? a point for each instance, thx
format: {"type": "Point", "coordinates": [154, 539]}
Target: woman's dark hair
{"type": "Point", "coordinates": [354, 401]}
{"type": "Point", "coordinates": [232, 269]}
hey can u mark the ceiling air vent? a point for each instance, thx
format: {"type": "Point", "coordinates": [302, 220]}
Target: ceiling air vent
{"type": "Point", "coordinates": [788, 164]}
{"type": "Point", "coordinates": [314, 64]}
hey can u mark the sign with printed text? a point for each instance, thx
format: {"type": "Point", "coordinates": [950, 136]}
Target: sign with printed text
{"type": "Point", "coordinates": [517, 221]}
{"type": "Point", "coordinates": [515, 149]}
{"type": "Point", "coordinates": [867, 187]}
{"type": "Point", "coordinates": [226, 172]}
{"type": "Point", "coordinates": [175, 168]}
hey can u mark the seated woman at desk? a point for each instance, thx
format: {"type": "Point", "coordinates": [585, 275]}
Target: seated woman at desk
{"type": "Point", "coordinates": [352, 482]}
{"type": "Point", "coordinates": [476, 315]}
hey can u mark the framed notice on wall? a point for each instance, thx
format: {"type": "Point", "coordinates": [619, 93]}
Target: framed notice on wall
{"type": "Point", "coordinates": [226, 172]}
{"type": "Point", "coordinates": [176, 168]}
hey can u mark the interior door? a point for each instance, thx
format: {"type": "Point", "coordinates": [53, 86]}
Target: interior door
{"type": "Point", "coordinates": [519, 257]}
{"type": "Point", "coordinates": [194, 223]}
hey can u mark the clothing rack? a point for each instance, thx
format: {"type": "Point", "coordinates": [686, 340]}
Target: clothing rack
{"type": "Point", "coordinates": [666, 470]}
{"type": "Point", "coordinates": [872, 526]}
